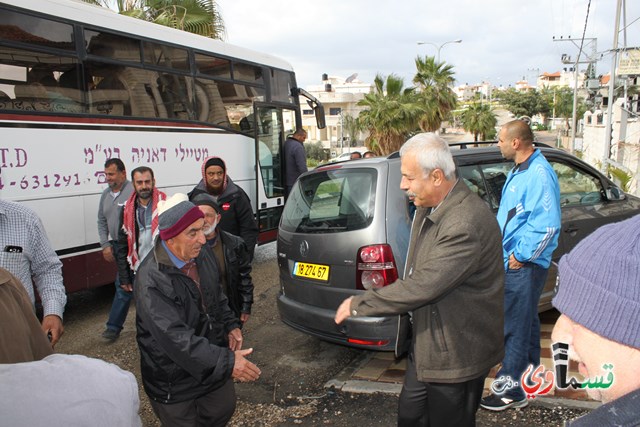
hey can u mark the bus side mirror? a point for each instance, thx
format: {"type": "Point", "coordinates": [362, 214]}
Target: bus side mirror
{"type": "Point", "coordinates": [318, 110]}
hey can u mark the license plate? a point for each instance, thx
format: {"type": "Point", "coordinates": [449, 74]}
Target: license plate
{"type": "Point", "coordinates": [311, 271]}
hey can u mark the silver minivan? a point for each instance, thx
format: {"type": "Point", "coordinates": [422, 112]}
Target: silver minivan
{"type": "Point", "coordinates": [345, 228]}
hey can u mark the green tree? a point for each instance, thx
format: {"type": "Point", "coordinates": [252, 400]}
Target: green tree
{"type": "Point", "coordinates": [391, 114]}
{"type": "Point", "coordinates": [480, 120]}
{"type": "Point", "coordinates": [562, 104]}
{"type": "Point", "coordinates": [433, 80]}
{"type": "Point", "coordinates": [195, 16]}
{"type": "Point", "coordinates": [315, 152]}
{"type": "Point", "coordinates": [350, 127]}
{"type": "Point", "coordinates": [524, 103]}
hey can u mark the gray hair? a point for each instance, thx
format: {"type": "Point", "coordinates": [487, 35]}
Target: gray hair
{"type": "Point", "coordinates": [432, 152]}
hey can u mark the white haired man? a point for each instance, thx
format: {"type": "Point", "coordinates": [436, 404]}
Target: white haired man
{"type": "Point", "coordinates": [453, 286]}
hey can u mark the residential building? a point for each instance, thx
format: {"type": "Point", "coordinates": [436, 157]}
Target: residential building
{"type": "Point", "coordinates": [340, 98]}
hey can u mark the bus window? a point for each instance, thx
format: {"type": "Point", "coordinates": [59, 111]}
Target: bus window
{"type": "Point", "coordinates": [165, 56]}
{"type": "Point", "coordinates": [112, 46]}
{"type": "Point", "coordinates": [281, 84]}
{"type": "Point", "coordinates": [126, 91]}
{"type": "Point", "coordinates": [18, 27]}
{"type": "Point", "coordinates": [213, 66]}
{"type": "Point", "coordinates": [228, 104]}
{"type": "Point", "coordinates": [208, 103]}
{"type": "Point", "coordinates": [247, 73]}
{"type": "Point", "coordinates": [177, 96]}
{"type": "Point", "coordinates": [31, 83]}
{"type": "Point", "coordinates": [273, 125]}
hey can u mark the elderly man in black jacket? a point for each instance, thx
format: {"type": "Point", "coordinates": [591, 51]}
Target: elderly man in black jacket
{"type": "Point", "coordinates": [232, 258]}
{"type": "Point", "coordinates": [190, 341]}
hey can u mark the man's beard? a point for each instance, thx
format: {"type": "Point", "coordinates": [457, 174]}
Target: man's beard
{"type": "Point", "coordinates": [209, 231]}
{"type": "Point", "coordinates": [145, 194]}
{"type": "Point", "coordinates": [215, 190]}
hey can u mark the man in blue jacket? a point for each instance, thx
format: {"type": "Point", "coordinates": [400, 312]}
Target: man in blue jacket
{"type": "Point", "coordinates": [529, 217]}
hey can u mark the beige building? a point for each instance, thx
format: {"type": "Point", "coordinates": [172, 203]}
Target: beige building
{"type": "Point", "coordinates": [340, 98]}
{"type": "Point", "coordinates": [564, 78]}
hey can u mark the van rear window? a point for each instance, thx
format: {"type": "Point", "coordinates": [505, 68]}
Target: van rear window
{"type": "Point", "coordinates": [331, 202]}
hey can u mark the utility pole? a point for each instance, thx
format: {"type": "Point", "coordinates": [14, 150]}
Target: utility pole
{"type": "Point", "coordinates": [537, 75]}
{"type": "Point", "coordinates": [612, 86]}
{"type": "Point", "coordinates": [566, 59]}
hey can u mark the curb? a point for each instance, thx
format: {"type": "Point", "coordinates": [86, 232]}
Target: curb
{"type": "Point", "coordinates": [343, 382]}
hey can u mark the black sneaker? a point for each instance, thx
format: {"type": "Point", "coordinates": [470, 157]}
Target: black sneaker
{"type": "Point", "coordinates": [110, 335]}
{"type": "Point", "coordinates": [497, 403]}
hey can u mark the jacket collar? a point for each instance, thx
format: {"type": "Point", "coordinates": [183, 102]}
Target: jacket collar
{"type": "Point", "coordinates": [521, 167]}
{"type": "Point", "coordinates": [161, 255]}
{"type": "Point", "coordinates": [455, 196]}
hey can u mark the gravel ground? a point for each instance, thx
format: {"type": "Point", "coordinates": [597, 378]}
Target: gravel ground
{"type": "Point", "coordinates": [295, 367]}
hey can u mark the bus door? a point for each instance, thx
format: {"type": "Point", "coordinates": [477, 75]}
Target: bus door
{"type": "Point", "coordinates": [273, 125]}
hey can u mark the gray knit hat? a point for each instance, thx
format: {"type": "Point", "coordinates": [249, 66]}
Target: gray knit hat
{"type": "Point", "coordinates": [206, 199]}
{"type": "Point", "coordinates": [600, 282]}
{"type": "Point", "coordinates": [175, 214]}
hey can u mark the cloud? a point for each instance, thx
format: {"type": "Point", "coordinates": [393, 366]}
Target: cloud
{"type": "Point", "coordinates": [503, 40]}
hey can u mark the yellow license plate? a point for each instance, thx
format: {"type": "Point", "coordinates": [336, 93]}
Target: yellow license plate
{"type": "Point", "coordinates": [311, 271]}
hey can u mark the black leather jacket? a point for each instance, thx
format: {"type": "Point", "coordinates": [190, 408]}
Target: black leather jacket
{"type": "Point", "coordinates": [238, 272]}
{"type": "Point", "coordinates": [182, 330]}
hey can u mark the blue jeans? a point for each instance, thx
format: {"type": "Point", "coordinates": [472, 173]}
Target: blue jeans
{"type": "Point", "coordinates": [120, 305]}
{"type": "Point", "coordinates": [522, 290]}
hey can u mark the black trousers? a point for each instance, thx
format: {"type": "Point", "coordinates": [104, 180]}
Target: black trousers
{"type": "Point", "coordinates": [438, 404]}
{"type": "Point", "coordinates": [213, 409]}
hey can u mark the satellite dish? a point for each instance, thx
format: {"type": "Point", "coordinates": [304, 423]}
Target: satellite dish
{"type": "Point", "coordinates": [351, 78]}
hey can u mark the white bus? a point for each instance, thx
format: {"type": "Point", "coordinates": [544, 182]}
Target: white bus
{"type": "Point", "coordinates": [80, 84]}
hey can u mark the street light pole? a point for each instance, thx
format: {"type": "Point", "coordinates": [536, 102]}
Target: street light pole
{"type": "Point", "coordinates": [439, 47]}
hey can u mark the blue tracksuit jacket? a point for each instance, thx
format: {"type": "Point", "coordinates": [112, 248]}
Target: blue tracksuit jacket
{"type": "Point", "coordinates": [529, 213]}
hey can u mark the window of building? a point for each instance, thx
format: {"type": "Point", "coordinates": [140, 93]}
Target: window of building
{"type": "Point", "coordinates": [335, 111]}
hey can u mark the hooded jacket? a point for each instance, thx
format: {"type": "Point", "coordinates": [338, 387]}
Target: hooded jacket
{"type": "Point", "coordinates": [237, 214]}
{"type": "Point", "coordinates": [182, 330]}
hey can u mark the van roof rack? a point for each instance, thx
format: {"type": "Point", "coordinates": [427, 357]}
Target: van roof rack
{"type": "Point", "coordinates": [464, 145]}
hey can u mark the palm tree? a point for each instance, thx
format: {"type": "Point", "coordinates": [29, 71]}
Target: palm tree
{"type": "Point", "coordinates": [434, 80]}
{"type": "Point", "coordinates": [351, 127]}
{"type": "Point", "coordinates": [392, 114]}
{"type": "Point", "coordinates": [480, 120]}
{"type": "Point", "coordinates": [195, 16]}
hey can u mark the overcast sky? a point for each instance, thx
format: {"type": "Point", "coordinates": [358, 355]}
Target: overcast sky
{"type": "Point", "coordinates": [502, 40]}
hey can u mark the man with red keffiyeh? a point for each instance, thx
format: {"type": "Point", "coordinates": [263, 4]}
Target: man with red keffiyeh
{"type": "Point", "coordinates": [139, 220]}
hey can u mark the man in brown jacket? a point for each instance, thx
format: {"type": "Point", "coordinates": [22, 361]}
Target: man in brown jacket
{"type": "Point", "coordinates": [453, 286]}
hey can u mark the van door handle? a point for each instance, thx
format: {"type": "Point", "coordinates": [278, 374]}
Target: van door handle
{"type": "Point", "coordinates": [571, 230]}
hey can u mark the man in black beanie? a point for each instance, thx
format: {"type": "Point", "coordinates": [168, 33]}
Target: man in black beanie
{"type": "Point", "coordinates": [237, 214]}
{"type": "Point", "coordinates": [232, 258]}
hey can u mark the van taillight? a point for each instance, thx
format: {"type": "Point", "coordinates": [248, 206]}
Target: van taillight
{"type": "Point", "coordinates": [376, 267]}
